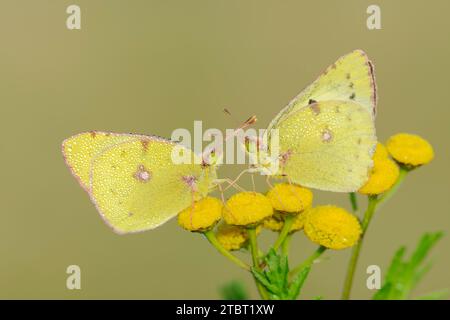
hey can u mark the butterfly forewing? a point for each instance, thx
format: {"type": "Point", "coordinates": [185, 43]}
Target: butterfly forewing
{"type": "Point", "coordinates": [351, 78]}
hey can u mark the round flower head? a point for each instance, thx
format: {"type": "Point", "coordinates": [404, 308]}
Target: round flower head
{"type": "Point", "coordinates": [332, 227]}
{"type": "Point", "coordinates": [381, 152]}
{"type": "Point", "coordinates": [233, 237]}
{"type": "Point", "coordinates": [202, 215]}
{"type": "Point", "coordinates": [410, 149]}
{"type": "Point", "coordinates": [276, 222]}
{"type": "Point", "coordinates": [382, 176]}
{"type": "Point", "coordinates": [290, 198]}
{"type": "Point", "coordinates": [247, 208]}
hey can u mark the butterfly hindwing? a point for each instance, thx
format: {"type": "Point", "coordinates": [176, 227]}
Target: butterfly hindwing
{"type": "Point", "coordinates": [328, 145]}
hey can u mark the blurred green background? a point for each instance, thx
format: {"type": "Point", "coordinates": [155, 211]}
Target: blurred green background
{"type": "Point", "coordinates": [153, 66]}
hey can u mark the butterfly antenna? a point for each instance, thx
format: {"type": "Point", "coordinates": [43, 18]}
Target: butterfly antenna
{"type": "Point", "coordinates": [250, 121]}
{"type": "Point", "coordinates": [247, 123]}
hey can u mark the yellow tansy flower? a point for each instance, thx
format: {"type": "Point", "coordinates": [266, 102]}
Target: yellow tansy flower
{"type": "Point", "coordinates": [332, 227]}
{"type": "Point", "coordinates": [202, 215]}
{"type": "Point", "coordinates": [382, 177]}
{"type": "Point", "coordinates": [233, 237]}
{"type": "Point", "coordinates": [410, 149]}
{"type": "Point", "coordinates": [381, 152]}
{"type": "Point", "coordinates": [276, 222]}
{"type": "Point", "coordinates": [290, 198]}
{"type": "Point", "coordinates": [247, 208]}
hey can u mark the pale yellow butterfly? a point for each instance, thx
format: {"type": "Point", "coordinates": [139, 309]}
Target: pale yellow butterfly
{"type": "Point", "coordinates": [132, 179]}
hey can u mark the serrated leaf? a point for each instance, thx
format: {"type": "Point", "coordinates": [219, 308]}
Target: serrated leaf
{"type": "Point", "coordinates": [262, 278]}
{"type": "Point", "coordinates": [275, 277]}
{"type": "Point", "coordinates": [383, 293]}
{"type": "Point", "coordinates": [420, 273]}
{"type": "Point", "coordinates": [297, 283]}
{"type": "Point", "coordinates": [403, 276]}
{"type": "Point", "coordinates": [397, 265]}
{"type": "Point", "coordinates": [426, 243]}
{"type": "Point", "coordinates": [438, 295]}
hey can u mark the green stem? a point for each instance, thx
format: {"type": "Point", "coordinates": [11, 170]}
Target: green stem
{"type": "Point", "coordinates": [374, 202]}
{"type": "Point", "coordinates": [213, 240]}
{"type": "Point", "coordinates": [388, 194]}
{"type": "Point", "coordinates": [308, 262]}
{"type": "Point", "coordinates": [354, 201]}
{"type": "Point", "coordinates": [253, 245]}
{"type": "Point", "coordinates": [288, 222]}
{"type": "Point", "coordinates": [357, 248]}
{"type": "Point", "coordinates": [254, 251]}
{"type": "Point", "coordinates": [286, 244]}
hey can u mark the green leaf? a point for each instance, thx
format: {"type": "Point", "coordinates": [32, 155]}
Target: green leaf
{"type": "Point", "coordinates": [262, 278]}
{"type": "Point", "coordinates": [297, 283]}
{"type": "Point", "coordinates": [403, 275]}
{"type": "Point", "coordinates": [233, 290]}
{"type": "Point", "coordinates": [383, 293]}
{"type": "Point", "coordinates": [438, 295]}
{"type": "Point", "coordinates": [275, 277]}
{"type": "Point", "coordinates": [353, 201]}
{"type": "Point", "coordinates": [397, 265]}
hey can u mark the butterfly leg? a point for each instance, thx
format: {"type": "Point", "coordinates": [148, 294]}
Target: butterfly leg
{"type": "Point", "coordinates": [268, 182]}
{"type": "Point", "coordinates": [233, 182]}
{"type": "Point", "coordinates": [222, 196]}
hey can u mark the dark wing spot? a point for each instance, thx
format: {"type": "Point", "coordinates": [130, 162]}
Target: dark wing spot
{"type": "Point", "coordinates": [351, 85]}
{"type": "Point", "coordinates": [311, 101]}
{"type": "Point", "coordinates": [145, 143]}
{"type": "Point", "coordinates": [348, 76]}
{"type": "Point", "coordinates": [352, 97]}
{"type": "Point", "coordinates": [315, 108]}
